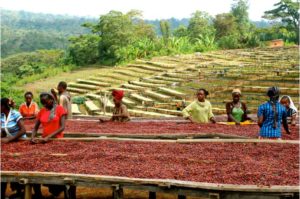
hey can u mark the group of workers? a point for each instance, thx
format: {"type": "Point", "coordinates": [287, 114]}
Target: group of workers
{"type": "Point", "coordinates": [270, 114]}
{"type": "Point", "coordinates": [57, 109]}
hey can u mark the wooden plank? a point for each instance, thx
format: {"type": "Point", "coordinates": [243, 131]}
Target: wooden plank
{"type": "Point", "coordinates": [75, 109]}
{"type": "Point", "coordinates": [159, 96]}
{"type": "Point", "coordinates": [97, 83]}
{"type": "Point", "coordinates": [91, 106]}
{"type": "Point", "coordinates": [76, 90]}
{"type": "Point", "coordinates": [145, 84]}
{"type": "Point", "coordinates": [142, 99]}
{"type": "Point", "coordinates": [133, 87]}
{"type": "Point", "coordinates": [83, 86]}
{"type": "Point", "coordinates": [150, 136]}
{"type": "Point", "coordinates": [190, 141]}
{"type": "Point", "coordinates": [171, 92]}
{"type": "Point", "coordinates": [80, 179]}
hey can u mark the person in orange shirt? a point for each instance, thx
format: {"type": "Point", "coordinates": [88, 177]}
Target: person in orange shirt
{"type": "Point", "coordinates": [29, 109]}
{"type": "Point", "coordinates": [52, 117]}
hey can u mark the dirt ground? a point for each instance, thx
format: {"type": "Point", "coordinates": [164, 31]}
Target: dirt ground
{"type": "Point", "coordinates": [101, 193]}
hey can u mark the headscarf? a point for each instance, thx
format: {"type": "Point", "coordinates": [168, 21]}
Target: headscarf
{"type": "Point", "coordinates": [273, 93]}
{"type": "Point", "coordinates": [237, 91]}
{"type": "Point", "coordinates": [118, 94]}
{"type": "Point", "coordinates": [292, 105]}
{"type": "Point", "coordinates": [53, 110]}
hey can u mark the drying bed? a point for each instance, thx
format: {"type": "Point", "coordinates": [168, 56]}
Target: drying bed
{"type": "Point", "coordinates": [226, 163]}
{"type": "Point", "coordinates": [164, 128]}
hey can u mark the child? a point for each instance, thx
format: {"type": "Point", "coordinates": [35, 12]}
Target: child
{"type": "Point", "coordinates": [290, 108]}
{"type": "Point", "coordinates": [120, 113]}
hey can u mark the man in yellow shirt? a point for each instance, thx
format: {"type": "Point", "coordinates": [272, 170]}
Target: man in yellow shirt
{"type": "Point", "coordinates": [199, 111]}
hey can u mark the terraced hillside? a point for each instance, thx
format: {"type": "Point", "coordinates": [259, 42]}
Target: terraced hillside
{"type": "Point", "coordinates": [156, 88]}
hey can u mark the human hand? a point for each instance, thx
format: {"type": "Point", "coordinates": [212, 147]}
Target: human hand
{"type": "Point", "coordinates": [11, 103]}
{"type": "Point", "coordinates": [44, 140]}
{"type": "Point", "coordinates": [34, 141]}
{"type": "Point", "coordinates": [293, 123]}
{"type": "Point", "coordinates": [213, 120]}
{"type": "Point", "coordinates": [101, 120]}
{"type": "Point", "coordinates": [5, 140]}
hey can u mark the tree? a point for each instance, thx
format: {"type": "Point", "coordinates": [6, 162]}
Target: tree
{"type": "Point", "coordinates": [288, 12]}
{"type": "Point", "coordinates": [200, 25]}
{"type": "Point", "coordinates": [84, 49]}
{"type": "Point", "coordinates": [118, 30]}
{"type": "Point", "coordinates": [225, 25]}
{"type": "Point", "coordinates": [181, 31]}
{"type": "Point", "coordinates": [240, 12]}
{"type": "Point", "coordinates": [165, 30]}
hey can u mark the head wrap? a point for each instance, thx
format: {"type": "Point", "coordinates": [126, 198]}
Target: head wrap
{"type": "Point", "coordinates": [236, 91]}
{"type": "Point", "coordinates": [53, 110]}
{"type": "Point", "coordinates": [292, 105]}
{"type": "Point", "coordinates": [118, 94]}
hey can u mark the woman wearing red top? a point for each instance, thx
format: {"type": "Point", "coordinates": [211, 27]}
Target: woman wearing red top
{"type": "Point", "coordinates": [52, 117]}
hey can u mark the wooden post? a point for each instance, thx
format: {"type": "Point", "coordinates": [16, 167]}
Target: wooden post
{"type": "Point", "coordinates": [70, 189]}
{"type": "Point", "coordinates": [28, 191]}
{"type": "Point", "coordinates": [181, 197]}
{"type": "Point", "coordinates": [70, 192]}
{"type": "Point", "coordinates": [28, 188]}
{"type": "Point", "coordinates": [152, 195]}
{"type": "Point", "coordinates": [118, 192]}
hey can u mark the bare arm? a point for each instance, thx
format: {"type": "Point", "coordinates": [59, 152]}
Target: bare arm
{"type": "Point", "coordinates": [231, 118]}
{"type": "Point", "coordinates": [212, 119]}
{"type": "Point", "coordinates": [260, 121]}
{"type": "Point", "coordinates": [61, 129]}
{"type": "Point", "coordinates": [229, 115]}
{"type": "Point", "coordinates": [21, 132]}
{"type": "Point", "coordinates": [34, 131]}
{"type": "Point", "coordinates": [293, 121]}
{"type": "Point", "coordinates": [285, 124]}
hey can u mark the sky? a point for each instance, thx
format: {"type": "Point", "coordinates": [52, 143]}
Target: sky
{"type": "Point", "coordinates": [151, 9]}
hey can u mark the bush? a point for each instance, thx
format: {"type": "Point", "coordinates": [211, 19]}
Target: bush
{"type": "Point", "coordinates": [229, 42]}
{"type": "Point", "coordinates": [78, 100]}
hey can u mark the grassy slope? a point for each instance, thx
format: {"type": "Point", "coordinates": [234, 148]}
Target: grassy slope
{"type": "Point", "coordinates": [51, 82]}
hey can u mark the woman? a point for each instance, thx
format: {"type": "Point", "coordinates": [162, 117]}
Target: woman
{"type": "Point", "coordinates": [236, 110]}
{"type": "Point", "coordinates": [199, 111]}
{"type": "Point", "coordinates": [29, 109]}
{"type": "Point", "coordinates": [270, 115]}
{"type": "Point", "coordinates": [12, 124]}
{"type": "Point", "coordinates": [120, 113]}
{"type": "Point", "coordinates": [52, 117]}
{"type": "Point", "coordinates": [290, 107]}
{"type": "Point", "coordinates": [12, 128]}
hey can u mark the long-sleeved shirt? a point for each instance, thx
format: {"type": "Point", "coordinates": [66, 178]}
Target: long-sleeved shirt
{"type": "Point", "coordinates": [200, 112]}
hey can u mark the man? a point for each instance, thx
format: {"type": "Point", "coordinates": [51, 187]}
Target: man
{"type": "Point", "coordinates": [64, 98]}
